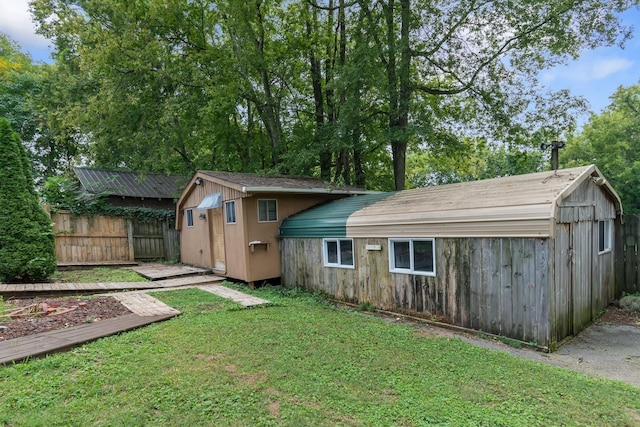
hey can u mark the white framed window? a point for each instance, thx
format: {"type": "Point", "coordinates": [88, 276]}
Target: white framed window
{"type": "Point", "coordinates": [604, 236]}
{"type": "Point", "coordinates": [230, 211]}
{"type": "Point", "coordinates": [267, 210]}
{"type": "Point", "coordinates": [412, 256]}
{"type": "Point", "coordinates": [338, 253]}
{"type": "Point", "coordinates": [189, 214]}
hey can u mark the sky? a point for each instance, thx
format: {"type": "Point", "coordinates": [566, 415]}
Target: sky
{"type": "Point", "coordinates": [595, 75]}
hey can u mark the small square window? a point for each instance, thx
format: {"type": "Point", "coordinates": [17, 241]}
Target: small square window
{"type": "Point", "coordinates": [230, 211]}
{"type": "Point", "coordinates": [267, 210]}
{"type": "Point", "coordinates": [338, 253]}
{"type": "Point", "coordinates": [604, 236]}
{"type": "Point", "coordinates": [189, 217]}
{"type": "Point", "coordinates": [412, 256]}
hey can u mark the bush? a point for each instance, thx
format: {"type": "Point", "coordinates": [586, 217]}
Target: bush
{"type": "Point", "coordinates": [631, 302]}
{"type": "Point", "coordinates": [27, 242]}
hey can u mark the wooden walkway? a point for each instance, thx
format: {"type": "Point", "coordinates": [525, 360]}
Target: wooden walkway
{"type": "Point", "coordinates": [163, 271]}
{"type": "Point", "coordinates": [34, 289]}
{"type": "Point", "coordinates": [241, 298]}
{"type": "Point", "coordinates": [145, 308]}
{"type": "Point", "coordinates": [143, 304]}
{"type": "Point", "coordinates": [22, 348]}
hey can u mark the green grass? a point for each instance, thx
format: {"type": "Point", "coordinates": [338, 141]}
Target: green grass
{"type": "Point", "coordinates": [95, 275]}
{"type": "Point", "coordinates": [299, 362]}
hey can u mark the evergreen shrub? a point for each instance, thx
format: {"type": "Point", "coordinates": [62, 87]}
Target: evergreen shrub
{"type": "Point", "coordinates": [27, 241]}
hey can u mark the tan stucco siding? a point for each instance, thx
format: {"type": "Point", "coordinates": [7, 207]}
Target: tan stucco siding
{"type": "Point", "coordinates": [264, 261]}
{"type": "Point", "coordinates": [195, 242]}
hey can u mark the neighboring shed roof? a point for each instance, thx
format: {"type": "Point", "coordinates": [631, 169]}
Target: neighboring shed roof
{"type": "Point", "coordinates": [514, 206]}
{"type": "Point", "coordinates": [329, 219]}
{"type": "Point", "coordinates": [130, 184]}
{"type": "Point", "coordinates": [256, 183]}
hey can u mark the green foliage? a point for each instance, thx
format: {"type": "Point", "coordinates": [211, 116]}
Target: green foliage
{"type": "Point", "coordinates": [470, 160]}
{"type": "Point", "coordinates": [294, 364]}
{"type": "Point", "coordinates": [61, 194]}
{"type": "Point", "coordinates": [611, 140]}
{"type": "Point", "coordinates": [101, 207]}
{"type": "Point", "coordinates": [630, 302]}
{"type": "Point", "coordinates": [347, 91]}
{"type": "Point", "coordinates": [366, 306]}
{"type": "Point", "coordinates": [27, 247]}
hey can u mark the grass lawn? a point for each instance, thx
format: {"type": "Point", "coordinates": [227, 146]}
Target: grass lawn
{"type": "Point", "coordinates": [299, 362]}
{"type": "Point", "coordinates": [98, 274]}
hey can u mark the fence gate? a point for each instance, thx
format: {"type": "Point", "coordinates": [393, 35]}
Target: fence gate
{"type": "Point", "coordinates": [154, 239]}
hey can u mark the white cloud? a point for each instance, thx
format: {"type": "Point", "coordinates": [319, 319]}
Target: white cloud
{"type": "Point", "coordinates": [587, 69]}
{"type": "Point", "coordinates": [16, 22]}
{"type": "Point", "coordinates": [604, 68]}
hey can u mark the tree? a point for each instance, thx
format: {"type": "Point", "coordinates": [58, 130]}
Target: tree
{"type": "Point", "coordinates": [470, 160]}
{"type": "Point", "coordinates": [27, 245]}
{"type": "Point", "coordinates": [611, 140]}
{"type": "Point", "coordinates": [36, 100]}
{"type": "Point", "coordinates": [335, 88]}
{"type": "Point", "coordinates": [484, 54]}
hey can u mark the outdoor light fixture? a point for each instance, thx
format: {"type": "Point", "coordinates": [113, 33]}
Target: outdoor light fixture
{"type": "Point", "coordinates": [203, 216]}
{"type": "Point", "coordinates": [552, 145]}
{"type": "Point", "coordinates": [555, 146]}
{"type": "Point", "coordinates": [198, 181]}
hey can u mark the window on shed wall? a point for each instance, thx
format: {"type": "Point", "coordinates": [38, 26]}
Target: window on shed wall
{"type": "Point", "coordinates": [412, 256]}
{"type": "Point", "coordinates": [189, 217]}
{"type": "Point", "coordinates": [338, 253]}
{"type": "Point", "coordinates": [267, 210]}
{"type": "Point", "coordinates": [604, 236]}
{"type": "Point", "coordinates": [230, 211]}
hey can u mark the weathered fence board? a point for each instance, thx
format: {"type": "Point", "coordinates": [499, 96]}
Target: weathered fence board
{"type": "Point", "coordinates": [628, 239]}
{"type": "Point", "coordinates": [94, 239]}
{"type": "Point", "coordinates": [90, 239]}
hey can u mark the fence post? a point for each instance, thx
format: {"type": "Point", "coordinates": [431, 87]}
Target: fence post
{"type": "Point", "coordinates": [130, 240]}
{"type": "Point", "coordinates": [620, 257]}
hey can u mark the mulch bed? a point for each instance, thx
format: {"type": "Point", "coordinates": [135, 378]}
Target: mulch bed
{"type": "Point", "coordinates": [619, 316]}
{"type": "Point", "coordinates": [62, 313]}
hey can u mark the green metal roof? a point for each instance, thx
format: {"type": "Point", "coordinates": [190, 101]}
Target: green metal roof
{"type": "Point", "coordinates": [329, 219]}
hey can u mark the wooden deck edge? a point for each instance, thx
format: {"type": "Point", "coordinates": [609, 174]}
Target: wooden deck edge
{"type": "Point", "coordinates": [38, 345]}
{"type": "Point", "coordinates": [80, 265]}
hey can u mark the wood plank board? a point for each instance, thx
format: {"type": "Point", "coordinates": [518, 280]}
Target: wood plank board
{"type": "Point", "coordinates": [155, 272]}
{"type": "Point", "coordinates": [240, 297]}
{"type": "Point", "coordinates": [13, 289]}
{"type": "Point", "coordinates": [143, 304]}
{"type": "Point", "coordinates": [18, 349]}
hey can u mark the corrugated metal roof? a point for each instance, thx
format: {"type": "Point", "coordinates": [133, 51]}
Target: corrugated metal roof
{"type": "Point", "coordinates": [130, 184]}
{"type": "Point", "coordinates": [329, 219]}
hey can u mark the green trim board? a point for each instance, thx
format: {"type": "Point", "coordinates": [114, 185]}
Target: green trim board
{"type": "Point", "coordinates": [328, 219]}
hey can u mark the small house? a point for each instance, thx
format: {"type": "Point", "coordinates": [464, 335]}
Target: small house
{"type": "Point", "coordinates": [132, 189]}
{"type": "Point", "coordinates": [529, 257]}
{"type": "Point", "coordinates": [229, 222]}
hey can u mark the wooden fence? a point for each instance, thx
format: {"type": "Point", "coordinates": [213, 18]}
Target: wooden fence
{"type": "Point", "coordinates": [96, 239]}
{"type": "Point", "coordinates": [627, 256]}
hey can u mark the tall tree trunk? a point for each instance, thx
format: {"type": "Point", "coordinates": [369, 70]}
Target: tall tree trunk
{"type": "Point", "coordinates": [318, 100]}
{"type": "Point", "coordinates": [399, 89]}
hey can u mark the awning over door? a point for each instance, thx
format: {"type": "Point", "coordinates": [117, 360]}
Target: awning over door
{"type": "Point", "coordinates": [211, 201]}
